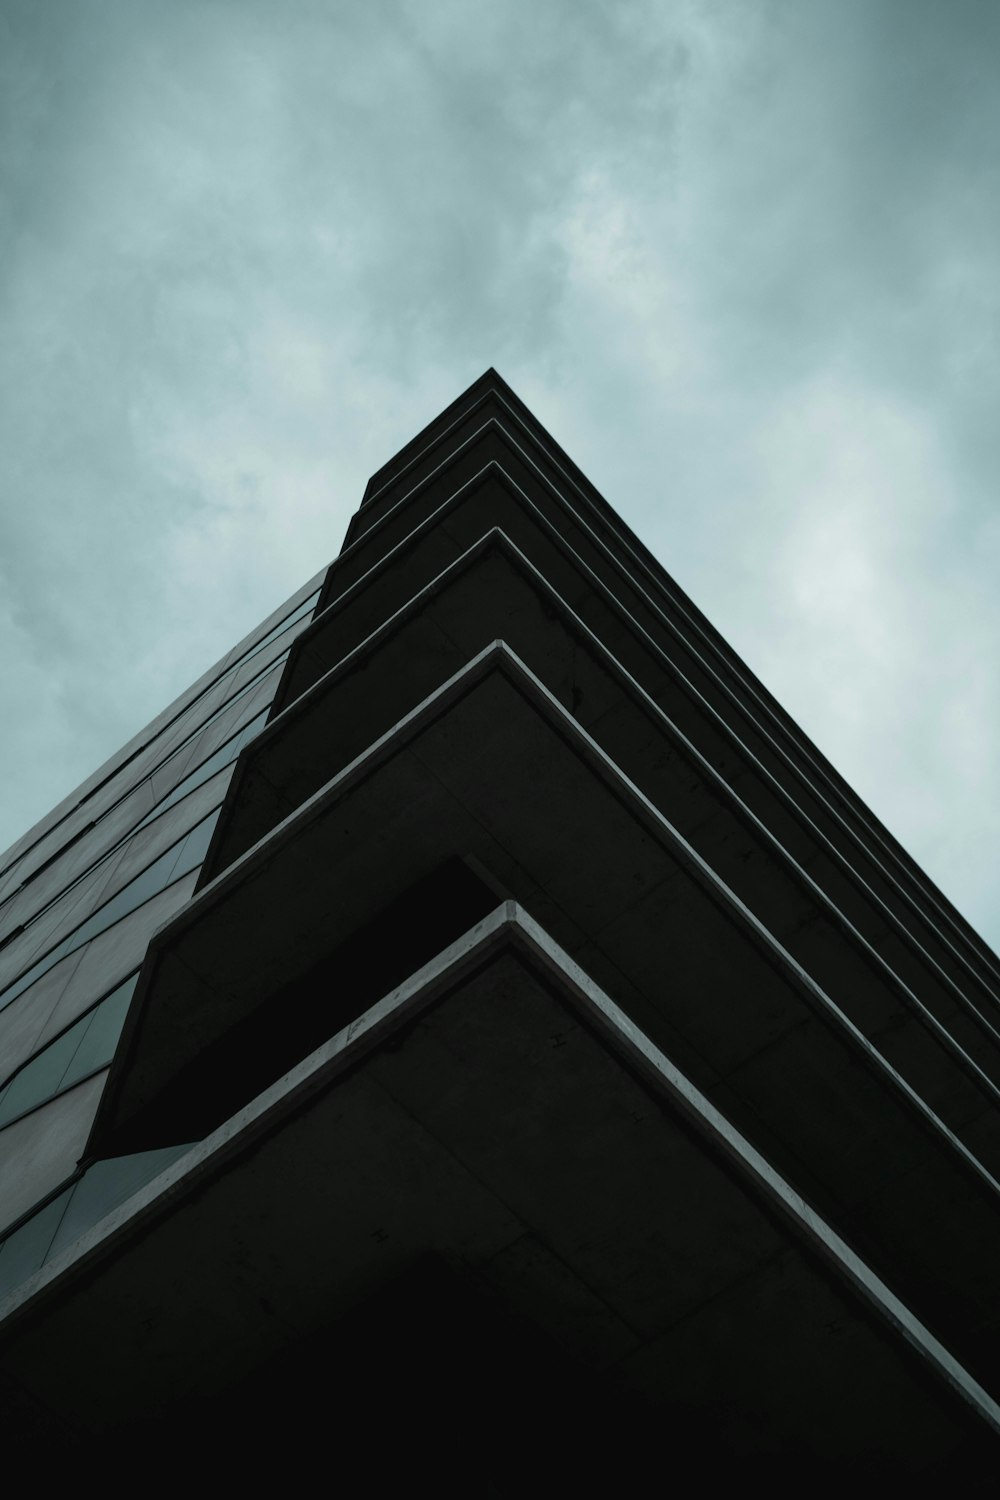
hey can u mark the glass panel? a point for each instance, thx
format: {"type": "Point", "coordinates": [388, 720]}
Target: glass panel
{"type": "Point", "coordinates": [272, 666]}
{"type": "Point", "coordinates": [195, 846]}
{"type": "Point", "coordinates": [105, 1186]}
{"type": "Point", "coordinates": [222, 757]}
{"type": "Point", "coordinates": [36, 971]}
{"type": "Point", "coordinates": [97, 1045]}
{"type": "Point", "coordinates": [178, 860]}
{"type": "Point", "coordinates": [27, 1248]}
{"type": "Point", "coordinates": [41, 1078]}
{"type": "Point", "coordinates": [150, 880]}
{"type": "Point", "coordinates": [305, 608]}
{"type": "Point", "coordinates": [291, 619]}
{"type": "Point", "coordinates": [82, 1049]}
{"type": "Point", "coordinates": [252, 730]}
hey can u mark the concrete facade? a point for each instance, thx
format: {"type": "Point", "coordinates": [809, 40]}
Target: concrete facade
{"type": "Point", "coordinates": [504, 976]}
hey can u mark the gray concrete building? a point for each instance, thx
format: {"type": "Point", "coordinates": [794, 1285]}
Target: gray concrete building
{"type": "Point", "coordinates": [476, 1017]}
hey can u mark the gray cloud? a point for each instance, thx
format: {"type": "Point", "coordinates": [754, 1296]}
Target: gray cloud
{"type": "Point", "coordinates": [739, 258]}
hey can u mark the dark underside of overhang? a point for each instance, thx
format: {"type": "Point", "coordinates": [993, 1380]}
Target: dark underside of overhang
{"type": "Point", "coordinates": [487, 1228]}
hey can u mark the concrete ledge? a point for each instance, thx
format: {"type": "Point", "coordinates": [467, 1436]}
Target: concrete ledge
{"type": "Point", "coordinates": [492, 591]}
{"type": "Point", "coordinates": [498, 1093]}
{"type": "Point", "coordinates": [586, 514]}
{"type": "Point", "coordinates": [492, 766]}
{"type": "Point", "coordinates": [593, 582]}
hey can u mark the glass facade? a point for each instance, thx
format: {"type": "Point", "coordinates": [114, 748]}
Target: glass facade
{"type": "Point", "coordinates": [181, 858]}
{"type": "Point", "coordinates": [82, 1049]}
{"type": "Point", "coordinates": [63, 1218]}
{"type": "Point", "coordinates": [78, 902]}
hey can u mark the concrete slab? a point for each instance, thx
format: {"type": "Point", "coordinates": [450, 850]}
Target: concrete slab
{"type": "Point", "coordinates": [808, 820]}
{"type": "Point", "coordinates": [499, 1111]}
{"type": "Point", "coordinates": [493, 590]}
{"type": "Point", "coordinates": [599, 860]}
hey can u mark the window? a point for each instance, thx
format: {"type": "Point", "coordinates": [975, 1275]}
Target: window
{"type": "Point", "coordinates": [182, 857]}
{"type": "Point", "coordinates": [82, 1049]}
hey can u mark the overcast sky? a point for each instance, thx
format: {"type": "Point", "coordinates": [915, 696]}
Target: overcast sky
{"type": "Point", "coordinates": [740, 257]}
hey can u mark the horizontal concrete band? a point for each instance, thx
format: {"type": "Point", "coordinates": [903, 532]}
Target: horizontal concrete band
{"type": "Point", "coordinates": [496, 428]}
{"type": "Point", "coordinates": [421, 1118]}
{"type": "Point", "coordinates": [630, 899]}
{"type": "Point", "coordinates": [493, 590]}
{"type": "Point", "coordinates": [374, 587]}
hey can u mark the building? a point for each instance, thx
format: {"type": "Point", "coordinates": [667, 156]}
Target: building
{"type": "Point", "coordinates": [475, 1021]}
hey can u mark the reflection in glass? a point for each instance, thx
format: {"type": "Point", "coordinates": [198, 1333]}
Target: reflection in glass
{"type": "Point", "coordinates": [305, 608]}
{"type": "Point", "coordinates": [292, 618]}
{"type": "Point", "coordinates": [79, 1206]}
{"type": "Point", "coordinates": [24, 1252]}
{"type": "Point", "coordinates": [215, 762]}
{"type": "Point", "coordinates": [87, 1045]}
{"type": "Point", "coordinates": [180, 859]}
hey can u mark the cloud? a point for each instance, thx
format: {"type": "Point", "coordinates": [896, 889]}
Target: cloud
{"type": "Point", "coordinates": [740, 259]}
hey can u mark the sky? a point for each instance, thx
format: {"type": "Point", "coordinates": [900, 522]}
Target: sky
{"type": "Point", "coordinates": [740, 257]}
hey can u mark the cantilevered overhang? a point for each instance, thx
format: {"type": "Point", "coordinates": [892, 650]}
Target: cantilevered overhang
{"type": "Point", "coordinates": [491, 766]}
{"type": "Point", "coordinates": [489, 486]}
{"type": "Point", "coordinates": [490, 411]}
{"type": "Point", "coordinates": [424, 538]}
{"type": "Point", "coordinates": [794, 802]}
{"type": "Point", "coordinates": [490, 421]}
{"type": "Point", "coordinates": [442, 500]}
{"type": "Point", "coordinates": [931, 1033]}
{"type": "Point", "coordinates": [500, 1112]}
{"type": "Point", "coordinates": [489, 424]}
